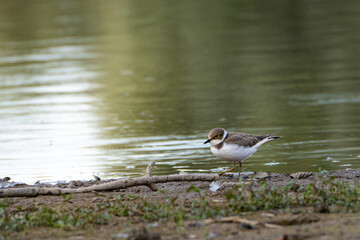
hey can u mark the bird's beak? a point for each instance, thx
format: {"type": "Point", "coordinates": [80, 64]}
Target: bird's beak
{"type": "Point", "coordinates": [207, 141]}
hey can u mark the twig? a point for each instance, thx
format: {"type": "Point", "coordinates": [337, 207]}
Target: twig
{"type": "Point", "coordinates": [237, 219]}
{"type": "Point", "coordinates": [148, 173]}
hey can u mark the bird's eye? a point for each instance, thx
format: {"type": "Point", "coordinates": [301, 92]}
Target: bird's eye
{"type": "Point", "coordinates": [216, 136]}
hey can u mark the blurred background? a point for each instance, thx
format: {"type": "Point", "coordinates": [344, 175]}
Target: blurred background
{"type": "Point", "coordinates": [104, 87]}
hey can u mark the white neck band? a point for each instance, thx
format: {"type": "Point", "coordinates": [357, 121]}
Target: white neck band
{"type": "Point", "coordinates": [223, 138]}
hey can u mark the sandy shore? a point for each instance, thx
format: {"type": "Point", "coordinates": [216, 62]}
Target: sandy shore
{"type": "Point", "coordinates": [330, 220]}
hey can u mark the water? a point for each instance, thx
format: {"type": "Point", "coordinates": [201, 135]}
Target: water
{"type": "Point", "coordinates": [105, 87]}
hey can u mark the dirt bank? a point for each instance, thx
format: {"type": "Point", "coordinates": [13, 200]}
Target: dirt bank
{"type": "Point", "coordinates": [273, 206]}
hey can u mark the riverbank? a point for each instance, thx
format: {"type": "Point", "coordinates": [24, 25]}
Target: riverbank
{"type": "Point", "coordinates": [264, 206]}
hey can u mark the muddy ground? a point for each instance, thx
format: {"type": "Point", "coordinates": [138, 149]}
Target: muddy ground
{"type": "Point", "coordinates": [310, 222]}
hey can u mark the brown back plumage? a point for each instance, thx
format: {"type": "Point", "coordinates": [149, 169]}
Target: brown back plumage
{"type": "Point", "coordinates": [243, 139]}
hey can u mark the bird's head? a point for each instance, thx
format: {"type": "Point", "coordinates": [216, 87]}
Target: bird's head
{"type": "Point", "coordinates": [216, 136]}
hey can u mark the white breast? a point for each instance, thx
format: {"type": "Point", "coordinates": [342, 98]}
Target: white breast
{"type": "Point", "coordinates": [233, 152]}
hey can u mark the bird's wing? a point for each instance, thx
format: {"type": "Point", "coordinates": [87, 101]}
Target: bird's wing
{"type": "Point", "coordinates": [244, 139]}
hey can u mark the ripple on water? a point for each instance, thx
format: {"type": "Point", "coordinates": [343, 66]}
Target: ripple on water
{"type": "Point", "coordinates": [324, 99]}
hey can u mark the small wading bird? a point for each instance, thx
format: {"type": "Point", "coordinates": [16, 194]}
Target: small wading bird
{"type": "Point", "coordinates": [234, 146]}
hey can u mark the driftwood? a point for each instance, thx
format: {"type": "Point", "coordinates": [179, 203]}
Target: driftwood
{"type": "Point", "coordinates": [301, 175]}
{"type": "Point", "coordinates": [237, 219]}
{"type": "Point", "coordinates": [146, 180]}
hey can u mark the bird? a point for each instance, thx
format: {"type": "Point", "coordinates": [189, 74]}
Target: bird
{"type": "Point", "coordinates": [235, 146]}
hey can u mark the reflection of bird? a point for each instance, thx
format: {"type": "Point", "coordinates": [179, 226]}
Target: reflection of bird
{"type": "Point", "coordinates": [235, 146]}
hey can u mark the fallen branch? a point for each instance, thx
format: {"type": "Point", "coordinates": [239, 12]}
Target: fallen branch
{"type": "Point", "coordinates": [146, 180]}
{"type": "Point", "coordinates": [236, 219]}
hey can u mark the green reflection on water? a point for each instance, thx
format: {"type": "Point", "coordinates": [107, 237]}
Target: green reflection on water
{"type": "Point", "coordinates": [141, 81]}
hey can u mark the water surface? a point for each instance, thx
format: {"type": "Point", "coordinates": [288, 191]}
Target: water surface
{"type": "Point", "coordinates": [105, 87]}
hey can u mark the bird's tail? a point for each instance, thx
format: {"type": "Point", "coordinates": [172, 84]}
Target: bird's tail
{"type": "Point", "coordinates": [266, 138]}
{"type": "Point", "coordinates": [273, 136]}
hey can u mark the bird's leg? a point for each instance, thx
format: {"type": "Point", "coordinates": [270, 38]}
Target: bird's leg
{"type": "Point", "coordinates": [240, 165]}
{"type": "Point", "coordinates": [220, 174]}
